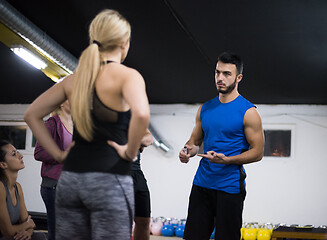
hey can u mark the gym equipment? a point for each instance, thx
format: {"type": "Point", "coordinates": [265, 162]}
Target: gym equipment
{"type": "Point", "coordinates": [174, 222]}
{"type": "Point", "coordinates": [156, 227]}
{"type": "Point", "coordinates": [167, 230]}
{"type": "Point", "coordinates": [265, 232]}
{"type": "Point", "coordinates": [179, 231]}
{"type": "Point", "coordinates": [242, 230]}
{"type": "Point", "coordinates": [251, 230]}
{"type": "Point", "coordinates": [150, 225]}
{"type": "Point", "coordinates": [299, 232]}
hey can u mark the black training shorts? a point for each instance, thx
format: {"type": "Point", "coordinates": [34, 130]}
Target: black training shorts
{"type": "Point", "coordinates": [142, 194]}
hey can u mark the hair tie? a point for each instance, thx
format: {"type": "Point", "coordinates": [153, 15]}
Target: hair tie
{"type": "Point", "coordinates": [97, 43]}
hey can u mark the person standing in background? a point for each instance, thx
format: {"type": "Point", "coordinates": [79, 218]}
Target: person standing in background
{"type": "Point", "coordinates": [141, 194]}
{"type": "Point", "coordinates": [230, 129]}
{"type": "Point", "coordinates": [60, 126]}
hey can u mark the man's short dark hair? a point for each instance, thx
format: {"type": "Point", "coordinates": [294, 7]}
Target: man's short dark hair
{"type": "Point", "coordinates": [228, 57]}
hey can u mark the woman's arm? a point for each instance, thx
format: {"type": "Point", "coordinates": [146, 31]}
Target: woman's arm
{"type": "Point", "coordinates": [39, 153]}
{"type": "Point", "coordinates": [41, 107]}
{"type": "Point", "coordinates": [24, 217]}
{"type": "Point", "coordinates": [147, 139]}
{"type": "Point", "coordinates": [135, 95]}
{"type": "Point", "coordinates": [133, 91]}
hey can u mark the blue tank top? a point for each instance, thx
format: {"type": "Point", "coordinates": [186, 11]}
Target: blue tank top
{"type": "Point", "coordinates": [14, 211]}
{"type": "Point", "coordinates": [223, 128]}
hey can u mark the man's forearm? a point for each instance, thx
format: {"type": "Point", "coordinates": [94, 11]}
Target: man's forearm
{"type": "Point", "coordinates": [249, 156]}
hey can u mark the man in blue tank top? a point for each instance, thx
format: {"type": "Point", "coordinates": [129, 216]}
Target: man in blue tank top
{"type": "Point", "coordinates": [230, 129]}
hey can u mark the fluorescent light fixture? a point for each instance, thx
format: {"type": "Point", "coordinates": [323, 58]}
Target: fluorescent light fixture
{"type": "Point", "coordinates": [45, 53]}
{"type": "Point", "coordinates": [29, 57]}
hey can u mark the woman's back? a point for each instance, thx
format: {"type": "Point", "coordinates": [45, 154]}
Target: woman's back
{"type": "Point", "coordinates": [110, 116]}
{"type": "Point", "coordinates": [110, 83]}
{"type": "Point", "coordinates": [118, 87]}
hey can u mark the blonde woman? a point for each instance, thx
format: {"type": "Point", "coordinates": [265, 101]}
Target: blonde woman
{"type": "Point", "coordinates": [94, 198]}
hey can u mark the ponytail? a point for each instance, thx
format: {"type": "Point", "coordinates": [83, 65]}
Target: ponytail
{"type": "Point", "coordinates": [86, 74]}
{"type": "Point", "coordinates": [107, 31]}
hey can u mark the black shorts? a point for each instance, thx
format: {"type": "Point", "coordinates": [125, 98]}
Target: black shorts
{"type": "Point", "coordinates": [142, 194]}
{"type": "Point", "coordinates": [209, 208]}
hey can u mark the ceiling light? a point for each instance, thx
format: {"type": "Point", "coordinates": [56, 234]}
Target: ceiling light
{"type": "Point", "coordinates": [29, 57]}
{"type": "Point", "coordinates": [46, 54]}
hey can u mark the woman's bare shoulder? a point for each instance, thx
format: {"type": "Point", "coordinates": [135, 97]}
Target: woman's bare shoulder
{"type": "Point", "coordinates": [19, 187]}
{"type": "Point", "coordinates": [3, 195]}
{"type": "Point", "coordinates": [125, 71]}
{"type": "Point", "coordinates": [2, 188]}
{"type": "Point", "coordinates": [68, 83]}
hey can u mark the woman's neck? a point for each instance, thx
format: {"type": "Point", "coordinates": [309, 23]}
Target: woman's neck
{"type": "Point", "coordinates": [66, 119]}
{"type": "Point", "coordinates": [11, 179]}
{"type": "Point", "coordinates": [114, 56]}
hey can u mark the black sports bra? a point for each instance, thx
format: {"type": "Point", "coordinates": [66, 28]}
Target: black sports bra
{"type": "Point", "coordinates": [103, 112]}
{"type": "Point", "coordinates": [97, 155]}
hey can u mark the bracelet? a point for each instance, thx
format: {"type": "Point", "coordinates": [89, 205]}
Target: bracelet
{"type": "Point", "coordinates": [127, 157]}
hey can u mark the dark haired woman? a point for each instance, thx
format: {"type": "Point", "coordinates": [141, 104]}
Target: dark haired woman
{"type": "Point", "coordinates": [15, 223]}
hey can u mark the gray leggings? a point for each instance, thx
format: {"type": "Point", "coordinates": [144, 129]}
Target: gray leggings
{"type": "Point", "coordinates": [94, 206]}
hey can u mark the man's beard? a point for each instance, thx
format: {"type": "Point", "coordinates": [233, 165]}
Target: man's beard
{"type": "Point", "coordinates": [229, 89]}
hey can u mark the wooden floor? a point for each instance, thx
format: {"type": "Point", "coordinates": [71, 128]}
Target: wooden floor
{"type": "Point", "coordinates": [163, 238]}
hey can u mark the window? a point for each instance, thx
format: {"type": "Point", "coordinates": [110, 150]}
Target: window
{"type": "Point", "coordinates": [279, 141]}
{"type": "Point", "coordinates": [16, 133]}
